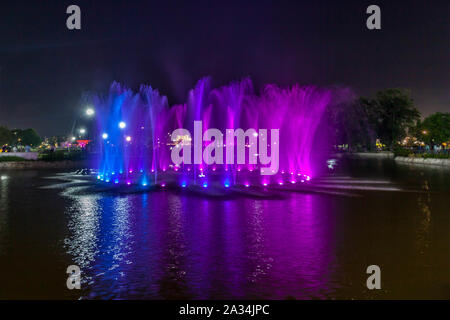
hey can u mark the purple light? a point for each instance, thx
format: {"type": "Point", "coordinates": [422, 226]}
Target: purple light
{"type": "Point", "coordinates": [124, 119]}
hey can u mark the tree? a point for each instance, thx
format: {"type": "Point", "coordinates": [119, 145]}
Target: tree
{"type": "Point", "coordinates": [390, 114]}
{"type": "Point", "coordinates": [27, 137]}
{"type": "Point", "coordinates": [350, 125]}
{"type": "Point", "coordinates": [6, 136]}
{"type": "Point", "coordinates": [435, 129]}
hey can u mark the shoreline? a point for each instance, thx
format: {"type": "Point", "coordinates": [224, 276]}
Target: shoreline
{"type": "Point", "coordinates": [399, 159]}
{"type": "Point", "coordinates": [81, 164]}
{"type": "Point", "coordinates": [37, 164]}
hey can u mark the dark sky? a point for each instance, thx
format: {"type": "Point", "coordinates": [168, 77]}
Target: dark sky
{"type": "Point", "coordinates": [45, 68]}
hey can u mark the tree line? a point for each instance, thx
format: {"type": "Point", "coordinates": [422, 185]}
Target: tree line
{"type": "Point", "coordinates": [15, 137]}
{"type": "Point", "coordinates": [390, 116]}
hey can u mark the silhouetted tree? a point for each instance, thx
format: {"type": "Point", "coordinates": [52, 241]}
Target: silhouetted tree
{"type": "Point", "coordinates": [6, 136]}
{"type": "Point", "coordinates": [390, 114]}
{"type": "Point", "coordinates": [434, 129]}
{"type": "Point", "coordinates": [27, 137]}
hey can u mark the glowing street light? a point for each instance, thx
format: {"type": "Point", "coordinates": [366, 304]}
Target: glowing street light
{"type": "Point", "coordinates": [73, 138]}
{"type": "Point", "coordinates": [128, 138]}
{"type": "Point", "coordinates": [122, 125]}
{"type": "Point", "coordinates": [90, 112]}
{"type": "Point", "coordinates": [105, 136]}
{"type": "Point", "coordinates": [82, 131]}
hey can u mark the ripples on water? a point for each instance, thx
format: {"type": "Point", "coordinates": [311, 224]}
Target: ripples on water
{"type": "Point", "coordinates": [166, 244]}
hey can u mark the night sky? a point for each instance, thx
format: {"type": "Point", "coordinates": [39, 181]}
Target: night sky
{"type": "Point", "coordinates": [45, 68]}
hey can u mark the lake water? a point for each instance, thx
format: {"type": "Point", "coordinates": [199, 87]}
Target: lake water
{"type": "Point", "coordinates": [169, 244]}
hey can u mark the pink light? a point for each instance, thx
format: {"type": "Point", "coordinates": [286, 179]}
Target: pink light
{"type": "Point", "coordinates": [163, 184]}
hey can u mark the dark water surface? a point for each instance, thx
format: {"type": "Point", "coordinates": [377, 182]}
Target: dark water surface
{"type": "Point", "coordinates": [170, 244]}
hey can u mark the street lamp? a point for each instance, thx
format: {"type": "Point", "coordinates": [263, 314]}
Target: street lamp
{"type": "Point", "coordinates": [90, 112]}
{"type": "Point", "coordinates": [82, 131]}
{"type": "Point", "coordinates": [122, 125]}
{"type": "Point", "coordinates": [105, 136]}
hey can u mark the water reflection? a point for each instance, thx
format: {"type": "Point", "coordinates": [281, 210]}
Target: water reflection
{"type": "Point", "coordinates": [164, 245]}
{"type": "Point", "coordinates": [172, 245]}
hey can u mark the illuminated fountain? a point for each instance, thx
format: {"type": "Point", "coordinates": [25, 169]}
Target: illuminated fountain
{"type": "Point", "coordinates": [135, 130]}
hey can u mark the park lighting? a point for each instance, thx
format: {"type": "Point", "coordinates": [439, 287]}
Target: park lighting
{"type": "Point", "coordinates": [90, 112]}
{"type": "Point", "coordinates": [122, 125]}
{"type": "Point", "coordinates": [424, 132]}
{"type": "Point", "coordinates": [105, 136]}
{"type": "Point", "coordinates": [128, 138]}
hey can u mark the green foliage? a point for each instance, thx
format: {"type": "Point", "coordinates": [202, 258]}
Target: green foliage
{"type": "Point", "coordinates": [435, 129]}
{"type": "Point", "coordinates": [59, 155]}
{"type": "Point", "coordinates": [12, 159]}
{"type": "Point", "coordinates": [6, 137]}
{"type": "Point", "coordinates": [27, 137]}
{"type": "Point", "coordinates": [401, 152]}
{"type": "Point", "coordinates": [434, 155]}
{"type": "Point", "coordinates": [390, 114]}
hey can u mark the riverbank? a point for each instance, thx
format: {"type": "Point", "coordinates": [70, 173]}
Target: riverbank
{"type": "Point", "coordinates": [362, 155]}
{"type": "Point", "coordinates": [36, 164]}
{"type": "Point", "coordinates": [423, 161]}
{"type": "Point", "coordinates": [390, 155]}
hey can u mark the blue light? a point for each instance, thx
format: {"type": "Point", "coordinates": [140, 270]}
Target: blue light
{"type": "Point", "coordinates": [226, 184]}
{"type": "Point", "coordinates": [205, 184]}
{"type": "Point", "coordinates": [144, 184]}
{"type": "Point", "coordinates": [183, 184]}
{"type": "Point", "coordinates": [116, 181]}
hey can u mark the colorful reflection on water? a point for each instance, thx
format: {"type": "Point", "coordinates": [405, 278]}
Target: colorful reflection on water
{"type": "Point", "coordinates": [172, 244]}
